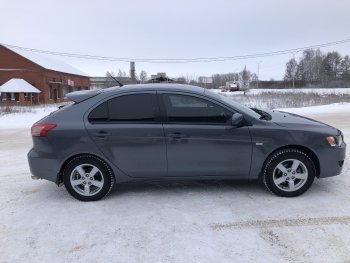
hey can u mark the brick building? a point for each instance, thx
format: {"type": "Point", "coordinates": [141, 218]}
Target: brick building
{"type": "Point", "coordinates": [53, 78]}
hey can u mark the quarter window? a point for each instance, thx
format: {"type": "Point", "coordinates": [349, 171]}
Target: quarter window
{"type": "Point", "coordinates": [183, 108]}
{"type": "Point", "coordinates": [100, 113]}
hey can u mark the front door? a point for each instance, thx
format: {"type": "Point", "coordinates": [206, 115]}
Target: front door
{"type": "Point", "coordinates": [200, 139]}
{"type": "Point", "coordinates": [126, 130]}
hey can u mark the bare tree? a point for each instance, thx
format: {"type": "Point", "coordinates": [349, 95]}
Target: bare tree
{"type": "Point", "coordinates": [190, 79]}
{"type": "Point", "coordinates": [254, 77]}
{"type": "Point", "coordinates": [143, 76]}
{"type": "Point", "coordinates": [245, 76]}
{"type": "Point", "coordinates": [137, 78]}
{"type": "Point", "coordinates": [331, 66]}
{"type": "Point", "coordinates": [309, 67]}
{"type": "Point", "coordinates": [345, 68]}
{"type": "Point", "coordinates": [120, 73]}
{"type": "Point", "coordinates": [221, 79]}
{"type": "Point", "coordinates": [291, 70]}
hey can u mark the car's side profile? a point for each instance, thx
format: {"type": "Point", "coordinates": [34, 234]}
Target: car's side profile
{"type": "Point", "coordinates": [171, 131]}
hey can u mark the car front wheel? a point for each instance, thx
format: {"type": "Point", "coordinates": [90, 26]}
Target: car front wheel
{"type": "Point", "coordinates": [289, 173]}
{"type": "Point", "coordinates": [87, 178]}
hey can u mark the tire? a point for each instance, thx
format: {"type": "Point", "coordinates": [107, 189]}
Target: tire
{"type": "Point", "coordinates": [289, 173]}
{"type": "Point", "coordinates": [88, 178]}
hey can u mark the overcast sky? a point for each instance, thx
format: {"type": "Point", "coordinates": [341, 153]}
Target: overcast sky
{"type": "Point", "coordinates": [176, 29]}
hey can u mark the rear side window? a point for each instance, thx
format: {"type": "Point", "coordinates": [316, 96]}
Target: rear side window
{"type": "Point", "coordinates": [136, 107]}
{"type": "Point", "coordinates": [129, 108]}
{"type": "Point", "coordinates": [183, 108]}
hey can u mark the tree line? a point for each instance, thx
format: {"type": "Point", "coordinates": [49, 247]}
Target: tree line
{"type": "Point", "coordinates": [313, 69]}
{"type": "Point", "coordinates": [316, 68]}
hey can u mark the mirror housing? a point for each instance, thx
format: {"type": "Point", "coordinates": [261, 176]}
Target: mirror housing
{"type": "Point", "coordinates": [237, 119]}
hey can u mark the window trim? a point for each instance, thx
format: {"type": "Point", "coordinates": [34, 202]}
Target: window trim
{"type": "Point", "coordinates": [165, 119]}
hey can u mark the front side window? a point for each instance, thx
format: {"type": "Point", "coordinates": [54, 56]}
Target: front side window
{"type": "Point", "coordinates": [189, 109]}
{"type": "Point", "coordinates": [136, 108]}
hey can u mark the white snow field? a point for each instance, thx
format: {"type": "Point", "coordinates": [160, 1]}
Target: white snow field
{"type": "Point", "coordinates": [220, 221]}
{"type": "Point", "coordinates": [320, 91]}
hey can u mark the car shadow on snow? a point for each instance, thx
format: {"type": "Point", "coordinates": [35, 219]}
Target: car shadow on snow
{"type": "Point", "coordinates": [239, 188]}
{"type": "Point", "coordinates": [188, 186]}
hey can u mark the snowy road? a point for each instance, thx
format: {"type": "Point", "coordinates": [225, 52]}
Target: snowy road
{"type": "Point", "coordinates": [223, 221]}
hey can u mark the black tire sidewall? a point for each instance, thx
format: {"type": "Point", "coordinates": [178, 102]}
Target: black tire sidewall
{"type": "Point", "coordinates": [101, 165]}
{"type": "Point", "coordinates": [280, 156]}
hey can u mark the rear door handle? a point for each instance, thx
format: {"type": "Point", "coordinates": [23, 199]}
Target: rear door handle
{"type": "Point", "coordinates": [176, 135]}
{"type": "Point", "coordinates": [102, 134]}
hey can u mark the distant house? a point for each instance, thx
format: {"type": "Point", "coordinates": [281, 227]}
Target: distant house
{"type": "Point", "coordinates": [160, 77]}
{"type": "Point", "coordinates": [18, 90]}
{"type": "Point", "coordinates": [53, 78]}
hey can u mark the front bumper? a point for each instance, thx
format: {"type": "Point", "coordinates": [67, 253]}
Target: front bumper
{"type": "Point", "coordinates": [332, 160]}
{"type": "Point", "coordinates": [42, 167]}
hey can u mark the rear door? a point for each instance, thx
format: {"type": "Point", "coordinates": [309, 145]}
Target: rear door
{"type": "Point", "coordinates": [128, 131]}
{"type": "Point", "coordinates": [201, 140]}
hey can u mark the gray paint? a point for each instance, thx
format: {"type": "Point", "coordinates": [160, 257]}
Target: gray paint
{"type": "Point", "coordinates": [152, 151]}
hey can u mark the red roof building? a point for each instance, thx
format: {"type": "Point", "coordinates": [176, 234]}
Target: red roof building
{"type": "Point", "coordinates": [53, 78]}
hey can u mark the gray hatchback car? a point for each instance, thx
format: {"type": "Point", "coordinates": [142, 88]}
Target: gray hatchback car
{"type": "Point", "coordinates": [171, 131]}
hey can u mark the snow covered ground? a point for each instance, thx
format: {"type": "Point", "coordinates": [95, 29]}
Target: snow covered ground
{"type": "Point", "coordinates": [221, 221]}
{"type": "Point", "coordinates": [25, 119]}
{"type": "Point", "coordinates": [325, 91]}
{"type": "Point", "coordinates": [322, 109]}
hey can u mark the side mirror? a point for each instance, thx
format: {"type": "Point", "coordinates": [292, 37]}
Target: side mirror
{"type": "Point", "coordinates": [236, 119]}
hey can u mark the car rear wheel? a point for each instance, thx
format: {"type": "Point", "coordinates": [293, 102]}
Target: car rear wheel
{"type": "Point", "coordinates": [289, 173]}
{"type": "Point", "coordinates": [87, 178]}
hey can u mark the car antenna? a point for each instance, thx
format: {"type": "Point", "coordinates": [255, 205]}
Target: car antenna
{"type": "Point", "coordinates": [115, 79]}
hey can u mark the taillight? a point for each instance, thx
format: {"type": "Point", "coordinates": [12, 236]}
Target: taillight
{"type": "Point", "coordinates": [41, 130]}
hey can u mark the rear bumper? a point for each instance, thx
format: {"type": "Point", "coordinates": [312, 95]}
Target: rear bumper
{"type": "Point", "coordinates": [42, 167]}
{"type": "Point", "coordinates": [332, 161]}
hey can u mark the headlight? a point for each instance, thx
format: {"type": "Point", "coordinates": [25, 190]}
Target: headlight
{"type": "Point", "coordinates": [335, 140]}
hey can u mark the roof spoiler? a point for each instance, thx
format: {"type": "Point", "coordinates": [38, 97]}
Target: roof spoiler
{"type": "Point", "coordinates": [81, 95]}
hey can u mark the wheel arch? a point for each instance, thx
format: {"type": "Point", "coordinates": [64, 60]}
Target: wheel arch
{"type": "Point", "coordinates": [301, 148]}
{"type": "Point", "coordinates": [59, 179]}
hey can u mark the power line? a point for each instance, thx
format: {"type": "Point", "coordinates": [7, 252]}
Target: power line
{"type": "Point", "coordinates": [177, 60]}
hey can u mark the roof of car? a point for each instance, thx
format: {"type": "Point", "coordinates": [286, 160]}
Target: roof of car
{"type": "Point", "coordinates": [156, 86]}
{"type": "Point", "coordinates": [79, 96]}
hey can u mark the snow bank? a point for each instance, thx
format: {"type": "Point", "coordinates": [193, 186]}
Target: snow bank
{"type": "Point", "coordinates": [25, 119]}
{"type": "Point", "coordinates": [318, 91]}
{"type": "Point", "coordinates": [336, 91]}
{"type": "Point", "coordinates": [322, 109]}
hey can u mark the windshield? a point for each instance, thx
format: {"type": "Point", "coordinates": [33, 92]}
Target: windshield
{"type": "Point", "coordinates": [234, 104]}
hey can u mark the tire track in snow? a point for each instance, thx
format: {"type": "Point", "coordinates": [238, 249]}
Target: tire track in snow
{"type": "Point", "coordinates": [343, 220]}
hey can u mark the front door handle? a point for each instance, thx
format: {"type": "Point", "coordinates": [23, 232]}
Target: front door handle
{"type": "Point", "coordinates": [176, 135]}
